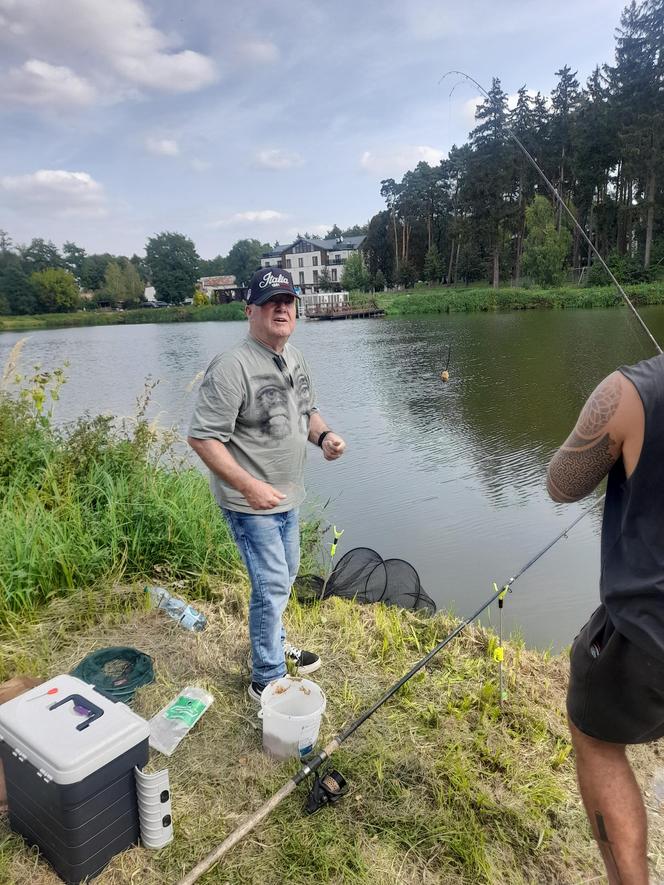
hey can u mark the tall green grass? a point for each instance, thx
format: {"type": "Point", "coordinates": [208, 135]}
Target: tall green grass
{"type": "Point", "coordinates": [423, 301]}
{"type": "Point", "coordinates": [97, 502]}
{"type": "Point", "coordinates": [183, 314]}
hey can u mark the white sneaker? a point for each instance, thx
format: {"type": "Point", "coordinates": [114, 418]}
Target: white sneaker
{"type": "Point", "coordinates": [305, 661]}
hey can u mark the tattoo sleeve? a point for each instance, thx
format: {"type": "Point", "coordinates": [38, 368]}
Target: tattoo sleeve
{"type": "Point", "coordinates": [589, 452]}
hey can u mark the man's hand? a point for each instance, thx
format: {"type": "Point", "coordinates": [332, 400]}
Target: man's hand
{"type": "Point", "coordinates": [261, 496]}
{"type": "Point", "coordinates": [333, 447]}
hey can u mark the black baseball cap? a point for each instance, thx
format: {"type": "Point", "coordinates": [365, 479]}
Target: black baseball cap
{"type": "Point", "coordinates": [268, 282]}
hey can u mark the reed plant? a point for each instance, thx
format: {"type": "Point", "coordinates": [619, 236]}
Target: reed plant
{"type": "Point", "coordinates": [99, 500]}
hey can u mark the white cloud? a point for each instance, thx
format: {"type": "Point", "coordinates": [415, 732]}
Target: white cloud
{"type": "Point", "coordinates": [274, 158]}
{"type": "Point", "coordinates": [40, 83]}
{"type": "Point", "coordinates": [175, 72]}
{"type": "Point", "coordinates": [199, 165]}
{"type": "Point", "coordinates": [165, 147]}
{"type": "Point", "coordinates": [258, 52]}
{"type": "Point", "coordinates": [398, 159]}
{"type": "Point", "coordinates": [111, 46]}
{"type": "Point", "coordinates": [259, 216]}
{"type": "Point", "coordinates": [63, 193]}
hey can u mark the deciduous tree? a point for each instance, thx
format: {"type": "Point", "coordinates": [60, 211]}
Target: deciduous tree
{"type": "Point", "coordinates": [173, 263]}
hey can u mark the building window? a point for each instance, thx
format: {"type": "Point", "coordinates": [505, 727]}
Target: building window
{"type": "Point", "coordinates": [314, 260]}
{"type": "Point", "coordinates": [334, 274]}
{"type": "Point", "coordinates": [302, 278]}
{"type": "Point", "coordinates": [315, 276]}
{"type": "Point", "coordinates": [300, 262]}
{"type": "Point", "coordinates": [288, 264]}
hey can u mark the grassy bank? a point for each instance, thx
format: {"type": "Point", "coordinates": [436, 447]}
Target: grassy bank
{"type": "Point", "coordinates": [445, 786]}
{"type": "Point", "coordinates": [184, 314]}
{"type": "Point", "coordinates": [421, 300]}
{"type": "Point", "coordinates": [97, 501]}
{"type": "Point", "coordinates": [444, 300]}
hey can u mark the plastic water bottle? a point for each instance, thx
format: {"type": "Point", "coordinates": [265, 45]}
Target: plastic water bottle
{"type": "Point", "coordinates": [178, 609]}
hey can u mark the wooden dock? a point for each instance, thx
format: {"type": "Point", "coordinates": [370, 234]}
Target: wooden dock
{"type": "Point", "coordinates": [341, 312]}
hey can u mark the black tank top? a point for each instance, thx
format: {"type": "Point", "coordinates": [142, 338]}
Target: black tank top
{"type": "Point", "coordinates": [632, 579]}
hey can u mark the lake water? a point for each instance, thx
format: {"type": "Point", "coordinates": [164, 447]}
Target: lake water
{"type": "Point", "coordinates": [450, 477]}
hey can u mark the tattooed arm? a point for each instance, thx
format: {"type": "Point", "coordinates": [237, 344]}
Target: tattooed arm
{"type": "Point", "coordinates": [608, 424]}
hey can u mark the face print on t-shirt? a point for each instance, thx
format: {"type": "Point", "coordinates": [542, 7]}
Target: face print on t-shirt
{"type": "Point", "coordinates": [272, 407]}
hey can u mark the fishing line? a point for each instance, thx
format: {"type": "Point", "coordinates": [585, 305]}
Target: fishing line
{"type": "Point", "coordinates": [314, 764]}
{"type": "Point", "coordinates": [498, 593]}
{"type": "Point", "coordinates": [563, 205]}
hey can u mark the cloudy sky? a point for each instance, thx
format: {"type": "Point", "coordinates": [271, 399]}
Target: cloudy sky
{"type": "Point", "coordinates": [123, 118]}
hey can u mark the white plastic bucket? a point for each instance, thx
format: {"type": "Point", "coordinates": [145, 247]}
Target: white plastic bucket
{"type": "Point", "coordinates": [291, 710]}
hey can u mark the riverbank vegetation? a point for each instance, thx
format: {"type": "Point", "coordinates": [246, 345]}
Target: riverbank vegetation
{"type": "Point", "coordinates": [424, 300]}
{"type": "Point", "coordinates": [180, 314]}
{"type": "Point", "coordinates": [98, 501]}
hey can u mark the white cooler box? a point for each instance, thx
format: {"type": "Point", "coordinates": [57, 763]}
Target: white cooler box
{"type": "Point", "coordinates": [69, 755]}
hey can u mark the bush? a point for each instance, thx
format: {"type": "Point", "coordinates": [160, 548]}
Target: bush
{"type": "Point", "coordinates": [627, 269]}
{"type": "Point", "coordinates": [97, 502]}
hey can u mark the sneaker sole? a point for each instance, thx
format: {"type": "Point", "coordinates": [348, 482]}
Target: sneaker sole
{"type": "Point", "coordinates": [252, 694]}
{"type": "Point", "coordinates": [310, 668]}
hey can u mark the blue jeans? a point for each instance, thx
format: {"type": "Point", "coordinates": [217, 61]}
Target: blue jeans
{"type": "Point", "coordinates": [270, 547]}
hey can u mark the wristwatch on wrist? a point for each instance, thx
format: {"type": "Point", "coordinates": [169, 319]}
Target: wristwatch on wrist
{"type": "Point", "coordinates": [322, 437]}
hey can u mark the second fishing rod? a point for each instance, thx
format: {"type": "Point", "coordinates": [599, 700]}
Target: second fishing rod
{"type": "Point", "coordinates": [315, 763]}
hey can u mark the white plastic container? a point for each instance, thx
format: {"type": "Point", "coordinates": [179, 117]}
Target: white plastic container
{"type": "Point", "coordinates": [291, 710]}
{"type": "Point", "coordinates": [69, 756]}
{"type": "Point", "coordinates": [154, 808]}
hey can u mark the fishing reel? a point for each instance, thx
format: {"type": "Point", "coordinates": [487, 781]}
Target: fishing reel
{"type": "Point", "coordinates": [328, 788]}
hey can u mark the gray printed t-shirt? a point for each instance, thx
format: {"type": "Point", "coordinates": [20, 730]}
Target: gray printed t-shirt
{"type": "Point", "coordinates": [246, 402]}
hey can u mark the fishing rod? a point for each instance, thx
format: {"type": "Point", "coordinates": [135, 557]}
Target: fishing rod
{"type": "Point", "coordinates": [563, 205]}
{"type": "Point", "coordinates": [498, 593]}
{"type": "Point", "coordinates": [314, 764]}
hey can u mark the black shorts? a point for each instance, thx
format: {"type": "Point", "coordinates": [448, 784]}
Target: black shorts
{"type": "Point", "coordinates": [616, 691]}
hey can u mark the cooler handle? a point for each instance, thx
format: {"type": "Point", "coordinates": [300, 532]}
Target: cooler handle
{"type": "Point", "coordinates": [79, 701]}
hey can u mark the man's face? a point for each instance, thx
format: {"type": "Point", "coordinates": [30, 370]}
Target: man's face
{"type": "Point", "coordinates": [274, 321]}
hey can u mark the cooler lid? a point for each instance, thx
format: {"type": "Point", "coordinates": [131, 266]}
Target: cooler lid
{"type": "Point", "coordinates": [68, 730]}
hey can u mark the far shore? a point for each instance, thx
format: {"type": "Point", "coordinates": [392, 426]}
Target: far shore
{"type": "Point", "coordinates": [420, 300]}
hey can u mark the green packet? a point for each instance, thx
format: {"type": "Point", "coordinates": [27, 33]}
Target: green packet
{"type": "Point", "coordinates": [177, 718]}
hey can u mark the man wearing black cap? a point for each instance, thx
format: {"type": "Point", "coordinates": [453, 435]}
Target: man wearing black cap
{"type": "Point", "coordinates": [255, 411]}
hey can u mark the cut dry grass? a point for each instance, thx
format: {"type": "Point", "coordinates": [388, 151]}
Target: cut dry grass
{"type": "Point", "coordinates": [445, 787]}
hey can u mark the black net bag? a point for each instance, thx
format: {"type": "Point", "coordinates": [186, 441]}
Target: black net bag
{"type": "Point", "coordinates": [363, 575]}
{"type": "Point", "coordinates": [309, 588]}
{"type": "Point", "coordinates": [360, 575]}
{"type": "Point", "coordinates": [404, 588]}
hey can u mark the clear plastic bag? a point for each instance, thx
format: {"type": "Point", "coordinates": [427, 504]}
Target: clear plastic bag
{"type": "Point", "coordinates": [177, 718]}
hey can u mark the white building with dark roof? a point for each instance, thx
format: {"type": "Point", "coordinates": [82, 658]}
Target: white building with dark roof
{"type": "Point", "coordinates": [306, 258]}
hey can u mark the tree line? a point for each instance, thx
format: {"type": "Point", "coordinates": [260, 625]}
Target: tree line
{"type": "Point", "coordinates": [474, 216]}
{"type": "Point", "coordinates": [40, 278]}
